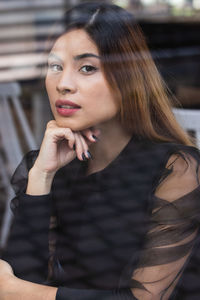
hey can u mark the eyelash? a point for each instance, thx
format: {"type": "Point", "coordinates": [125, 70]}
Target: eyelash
{"type": "Point", "coordinates": [58, 67]}
{"type": "Point", "coordinates": [92, 68]}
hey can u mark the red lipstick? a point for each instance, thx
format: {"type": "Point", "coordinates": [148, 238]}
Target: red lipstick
{"type": "Point", "coordinates": [66, 108]}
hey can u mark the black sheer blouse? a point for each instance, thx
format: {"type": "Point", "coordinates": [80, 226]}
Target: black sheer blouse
{"type": "Point", "coordinates": [129, 231]}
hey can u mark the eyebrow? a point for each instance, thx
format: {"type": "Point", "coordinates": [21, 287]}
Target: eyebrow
{"type": "Point", "coordinates": [77, 57]}
{"type": "Point", "coordinates": [86, 55]}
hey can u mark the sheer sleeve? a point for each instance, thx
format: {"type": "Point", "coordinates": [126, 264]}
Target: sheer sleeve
{"type": "Point", "coordinates": [173, 230]}
{"type": "Point", "coordinates": [170, 240]}
{"type": "Point", "coordinates": [20, 177]}
{"type": "Point", "coordinates": [27, 247]}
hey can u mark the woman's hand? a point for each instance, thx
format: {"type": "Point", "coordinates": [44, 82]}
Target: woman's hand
{"type": "Point", "coordinates": [61, 145]}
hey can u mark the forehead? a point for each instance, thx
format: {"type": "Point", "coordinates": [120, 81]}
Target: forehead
{"type": "Point", "coordinates": [76, 41]}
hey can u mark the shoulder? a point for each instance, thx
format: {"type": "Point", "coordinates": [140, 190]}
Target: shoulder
{"type": "Point", "coordinates": [182, 166]}
{"type": "Point", "coordinates": [177, 157]}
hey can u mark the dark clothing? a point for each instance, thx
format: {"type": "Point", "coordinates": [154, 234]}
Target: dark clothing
{"type": "Point", "coordinates": [91, 234]}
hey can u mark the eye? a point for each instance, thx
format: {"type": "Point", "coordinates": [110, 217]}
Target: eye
{"type": "Point", "coordinates": [55, 67]}
{"type": "Point", "coordinates": [88, 69]}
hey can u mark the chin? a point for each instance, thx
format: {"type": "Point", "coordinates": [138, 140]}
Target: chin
{"type": "Point", "coordinates": [67, 124]}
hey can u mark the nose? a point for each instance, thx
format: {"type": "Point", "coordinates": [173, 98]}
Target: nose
{"type": "Point", "coordinates": [66, 83]}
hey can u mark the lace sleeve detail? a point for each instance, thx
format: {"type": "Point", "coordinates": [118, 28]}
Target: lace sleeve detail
{"type": "Point", "coordinates": [20, 176]}
{"type": "Point", "coordinates": [173, 230]}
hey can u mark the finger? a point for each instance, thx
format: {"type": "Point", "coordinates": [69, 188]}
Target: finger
{"type": "Point", "coordinates": [91, 134]}
{"type": "Point", "coordinates": [86, 153]}
{"type": "Point", "coordinates": [79, 147]}
{"type": "Point", "coordinates": [71, 138]}
{"type": "Point", "coordinates": [96, 133]}
{"type": "Point", "coordinates": [58, 134]}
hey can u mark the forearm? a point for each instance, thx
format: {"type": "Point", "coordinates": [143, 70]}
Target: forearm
{"type": "Point", "coordinates": [27, 249]}
{"type": "Point", "coordinates": [17, 289]}
{"type": "Point", "coordinates": [39, 183]}
{"type": "Point", "coordinates": [13, 288]}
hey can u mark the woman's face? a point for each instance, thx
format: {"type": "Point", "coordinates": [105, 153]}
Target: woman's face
{"type": "Point", "coordinates": [79, 95]}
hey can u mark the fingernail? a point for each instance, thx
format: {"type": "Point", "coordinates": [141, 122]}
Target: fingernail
{"type": "Point", "coordinates": [74, 147]}
{"type": "Point", "coordinates": [95, 137]}
{"type": "Point", "coordinates": [84, 157]}
{"type": "Point", "coordinates": [89, 154]}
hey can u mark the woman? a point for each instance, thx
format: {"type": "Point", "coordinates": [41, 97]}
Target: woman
{"type": "Point", "coordinates": [115, 174]}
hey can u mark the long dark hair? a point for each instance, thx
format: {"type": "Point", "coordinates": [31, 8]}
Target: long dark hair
{"type": "Point", "coordinates": [145, 108]}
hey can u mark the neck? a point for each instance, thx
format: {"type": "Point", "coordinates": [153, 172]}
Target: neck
{"type": "Point", "coordinates": [112, 140]}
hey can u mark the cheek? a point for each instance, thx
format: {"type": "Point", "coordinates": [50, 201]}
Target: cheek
{"type": "Point", "coordinates": [46, 82]}
{"type": "Point", "coordinates": [102, 98]}
{"type": "Point", "coordinates": [50, 84]}
{"type": "Point", "coordinates": [103, 106]}
{"type": "Point", "coordinates": [47, 86]}
{"type": "Point", "coordinates": [96, 89]}
{"type": "Point", "coordinates": [50, 89]}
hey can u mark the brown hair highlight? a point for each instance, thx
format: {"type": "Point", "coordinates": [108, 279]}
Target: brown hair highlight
{"type": "Point", "coordinates": [144, 99]}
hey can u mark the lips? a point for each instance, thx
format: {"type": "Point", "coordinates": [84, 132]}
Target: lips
{"type": "Point", "coordinates": [66, 108]}
{"type": "Point", "coordinates": [66, 104]}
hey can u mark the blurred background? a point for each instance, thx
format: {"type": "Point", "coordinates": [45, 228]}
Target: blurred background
{"type": "Point", "coordinates": [172, 30]}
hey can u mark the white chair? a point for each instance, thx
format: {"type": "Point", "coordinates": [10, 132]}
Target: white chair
{"type": "Point", "coordinates": [189, 120]}
{"type": "Point", "coordinates": [10, 145]}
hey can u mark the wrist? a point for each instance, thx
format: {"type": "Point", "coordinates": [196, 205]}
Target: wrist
{"type": "Point", "coordinates": [43, 175]}
{"type": "Point", "coordinates": [39, 182]}
{"type": "Point", "coordinates": [8, 286]}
